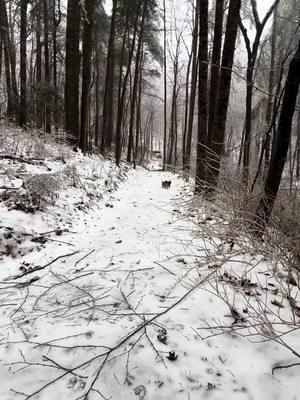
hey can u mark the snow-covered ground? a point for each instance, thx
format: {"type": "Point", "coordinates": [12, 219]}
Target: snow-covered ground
{"type": "Point", "coordinates": [116, 300]}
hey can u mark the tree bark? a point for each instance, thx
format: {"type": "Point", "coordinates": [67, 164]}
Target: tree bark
{"type": "Point", "coordinates": [108, 111]}
{"type": "Point", "coordinates": [193, 91]}
{"type": "Point", "coordinates": [215, 63]}
{"type": "Point", "coordinates": [11, 49]}
{"type": "Point", "coordinates": [4, 34]}
{"type": "Point", "coordinates": [172, 134]}
{"type": "Point", "coordinates": [39, 101]}
{"type": "Point", "coordinates": [47, 70]}
{"type": "Point", "coordinates": [298, 149]}
{"type": "Point", "coordinates": [97, 94]}
{"type": "Point", "coordinates": [138, 113]}
{"type": "Point", "coordinates": [55, 25]}
{"type": "Point", "coordinates": [186, 110]}
{"type": "Point", "coordinates": [270, 90]}
{"type": "Point", "coordinates": [23, 63]}
{"type": "Point", "coordinates": [86, 73]}
{"type": "Point", "coordinates": [202, 95]}
{"type": "Point", "coordinates": [216, 142]}
{"type": "Point", "coordinates": [165, 85]}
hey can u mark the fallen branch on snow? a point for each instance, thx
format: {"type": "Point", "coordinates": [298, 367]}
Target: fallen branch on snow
{"type": "Point", "coordinates": [39, 268]}
{"type": "Point", "coordinates": [107, 353]}
{"type": "Point", "coordinates": [30, 161]}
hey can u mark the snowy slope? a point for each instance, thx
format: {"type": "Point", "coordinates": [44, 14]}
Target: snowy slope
{"type": "Point", "coordinates": [116, 303]}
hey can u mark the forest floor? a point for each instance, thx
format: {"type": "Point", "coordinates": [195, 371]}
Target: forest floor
{"type": "Point", "coordinates": [137, 295]}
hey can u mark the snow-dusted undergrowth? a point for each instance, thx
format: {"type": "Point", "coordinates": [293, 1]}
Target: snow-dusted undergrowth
{"type": "Point", "coordinates": [133, 293]}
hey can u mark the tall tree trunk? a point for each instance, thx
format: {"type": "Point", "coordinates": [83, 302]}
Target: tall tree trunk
{"type": "Point", "coordinates": [279, 155]}
{"type": "Point", "coordinates": [172, 134]}
{"type": "Point", "coordinates": [23, 63]}
{"type": "Point", "coordinates": [39, 101]}
{"type": "Point", "coordinates": [4, 35]}
{"type": "Point", "coordinates": [47, 70]}
{"type": "Point", "coordinates": [186, 110]}
{"type": "Point", "coordinates": [123, 86]}
{"type": "Point", "coordinates": [9, 108]}
{"type": "Point", "coordinates": [97, 94]}
{"type": "Point", "coordinates": [202, 94]}
{"type": "Point", "coordinates": [72, 69]}
{"type": "Point", "coordinates": [270, 90]}
{"type": "Point", "coordinates": [86, 72]}
{"type": "Point", "coordinates": [216, 142]}
{"type": "Point", "coordinates": [215, 62]}
{"type": "Point", "coordinates": [1, 57]}
{"type": "Point", "coordinates": [135, 82]}
{"type": "Point", "coordinates": [298, 149]}
{"type": "Point", "coordinates": [138, 113]}
{"type": "Point", "coordinates": [12, 61]}
{"type": "Point", "coordinates": [55, 25]}
{"type": "Point", "coordinates": [248, 123]}
{"type": "Point", "coordinates": [193, 91]}
{"type": "Point", "coordinates": [108, 103]}
{"type": "Point", "coordinates": [165, 85]}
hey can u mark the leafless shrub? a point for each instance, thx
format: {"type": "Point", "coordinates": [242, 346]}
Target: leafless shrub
{"type": "Point", "coordinates": [42, 188]}
{"type": "Point", "coordinates": [37, 192]}
{"type": "Point", "coordinates": [286, 220]}
{"type": "Point", "coordinates": [236, 205]}
{"type": "Point", "coordinates": [33, 144]}
{"type": "Point", "coordinates": [224, 233]}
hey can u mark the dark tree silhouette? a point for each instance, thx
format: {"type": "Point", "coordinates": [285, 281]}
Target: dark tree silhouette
{"type": "Point", "coordinates": [72, 69]}
{"type": "Point", "coordinates": [23, 63]}
{"type": "Point", "coordinates": [279, 155]}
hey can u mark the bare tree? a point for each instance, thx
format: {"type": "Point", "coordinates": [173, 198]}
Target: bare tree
{"type": "Point", "coordinates": [279, 155]}
{"type": "Point", "coordinates": [252, 53]}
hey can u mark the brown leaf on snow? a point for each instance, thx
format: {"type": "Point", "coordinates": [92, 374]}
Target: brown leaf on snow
{"type": "Point", "coordinates": [276, 303]}
{"type": "Point", "coordinates": [172, 356]}
{"type": "Point", "coordinates": [162, 337]}
{"type": "Point", "coordinates": [210, 386]}
{"type": "Point", "coordinates": [181, 260]}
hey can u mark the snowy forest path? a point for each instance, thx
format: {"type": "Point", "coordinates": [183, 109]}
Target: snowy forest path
{"type": "Point", "coordinates": [136, 225]}
{"type": "Point", "coordinates": [137, 255]}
